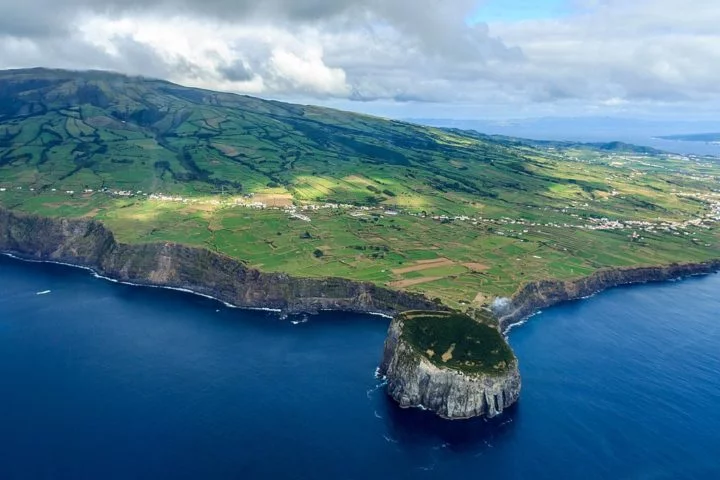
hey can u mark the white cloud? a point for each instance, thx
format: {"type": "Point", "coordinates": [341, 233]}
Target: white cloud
{"type": "Point", "coordinates": [306, 71]}
{"type": "Point", "coordinates": [659, 50]}
{"type": "Point", "coordinates": [202, 53]}
{"type": "Point", "coordinates": [607, 56]}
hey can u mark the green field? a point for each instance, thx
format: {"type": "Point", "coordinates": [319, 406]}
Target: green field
{"type": "Point", "coordinates": [459, 216]}
{"type": "Point", "coordinates": [456, 341]}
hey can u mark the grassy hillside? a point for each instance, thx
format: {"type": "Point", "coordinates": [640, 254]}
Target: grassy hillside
{"type": "Point", "coordinates": [316, 192]}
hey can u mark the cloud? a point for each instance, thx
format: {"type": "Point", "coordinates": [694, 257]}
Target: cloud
{"type": "Point", "coordinates": [237, 71]}
{"type": "Point", "coordinates": [657, 50]}
{"type": "Point", "coordinates": [305, 71]}
{"type": "Point", "coordinates": [603, 55]}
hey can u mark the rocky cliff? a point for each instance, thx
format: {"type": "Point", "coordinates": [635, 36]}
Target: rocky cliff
{"type": "Point", "coordinates": [538, 295]}
{"type": "Point", "coordinates": [89, 244]}
{"type": "Point", "coordinates": [414, 381]}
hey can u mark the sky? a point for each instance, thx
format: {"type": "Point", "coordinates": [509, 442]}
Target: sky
{"type": "Point", "coordinates": [466, 59]}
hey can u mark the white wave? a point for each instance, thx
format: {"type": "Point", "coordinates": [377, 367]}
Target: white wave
{"type": "Point", "coordinates": [507, 330]}
{"type": "Point", "coordinates": [377, 415]}
{"type": "Point", "coordinates": [389, 439]}
{"type": "Point", "coordinates": [32, 260]}
{"type": "Point", "coordinates": [375, 388]}
{"type": "Point", "coordinates": [44, 292]}
{"type": "Point", "coordinates": [521, 322]}
{"type": "Point", "coordinates": [304, 319]}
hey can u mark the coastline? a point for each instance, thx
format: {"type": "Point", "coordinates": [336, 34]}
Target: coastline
{"type": "Point", "coordinates": [112, 280]}
{"type": "Point", "coordinates": [177, 289]}
{"type": "Point", "coordinates": [530, 299]}
{"type": "Point", "coordinates": [88, 245]}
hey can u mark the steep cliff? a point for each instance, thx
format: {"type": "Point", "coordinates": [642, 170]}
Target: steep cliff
{"type": "Point", "coordinates": [90, 244]}
{"type": "Point", "coordinates": [417, 376]}
{"type": "Point", "coordinates": [420, 377]}
{"type": "Point", "coordinates": [537, 295]}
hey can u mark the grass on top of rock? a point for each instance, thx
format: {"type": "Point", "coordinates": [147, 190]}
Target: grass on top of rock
{"type": "Point", "coordinates": [453, 340]}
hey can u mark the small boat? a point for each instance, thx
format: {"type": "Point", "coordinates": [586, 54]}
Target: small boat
{"type": "Point", "coordinates": [44, 292]}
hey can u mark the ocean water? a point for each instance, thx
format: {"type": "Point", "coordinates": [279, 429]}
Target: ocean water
{"type": "Point", "coordinates": [107, 381]}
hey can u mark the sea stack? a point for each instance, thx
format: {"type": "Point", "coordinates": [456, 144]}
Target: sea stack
{"type": "Point", "coordinates": [450, 364]}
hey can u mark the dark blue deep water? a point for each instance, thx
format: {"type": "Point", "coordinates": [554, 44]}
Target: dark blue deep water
{"type": "Point", "coordinates": [107, 381]}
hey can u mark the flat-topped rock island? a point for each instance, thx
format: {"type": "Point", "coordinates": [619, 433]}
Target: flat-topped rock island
{"type": "Point", "coordinates": [450, 364]}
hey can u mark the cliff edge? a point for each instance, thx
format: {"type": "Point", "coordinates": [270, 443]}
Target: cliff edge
{"type": "Point", "coordinates": [533, 296]}
{"type": "Point", "coordinates": [449, 364]}
{"type": "Point", "coordinates": [89, 244]}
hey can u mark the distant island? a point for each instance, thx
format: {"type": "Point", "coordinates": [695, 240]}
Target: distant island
{"type": "Point", "coordinates": [695, 137]}
{"type": "Point", "coordinates": [264, 204]}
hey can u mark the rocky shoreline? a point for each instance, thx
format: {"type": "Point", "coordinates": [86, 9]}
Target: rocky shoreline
{"type": "Point", "coordinates": [88, 244]}
{"type": "Point", "coordinates": [534, 296]}
{"type": "Point", "coordinates": [414, 381]}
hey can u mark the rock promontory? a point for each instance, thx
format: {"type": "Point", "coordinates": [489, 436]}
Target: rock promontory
{"type": "Point", "coordinates": [534, 296]}
{"type": "Point", "coordinates": [449, 364]}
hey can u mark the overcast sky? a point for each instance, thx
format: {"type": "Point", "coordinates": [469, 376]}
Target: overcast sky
{"type": "Point", "coordinates": [402, 58]}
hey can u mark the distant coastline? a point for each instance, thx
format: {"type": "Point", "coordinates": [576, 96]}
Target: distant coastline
{"type": "Point", "coordinates": [708, 138]}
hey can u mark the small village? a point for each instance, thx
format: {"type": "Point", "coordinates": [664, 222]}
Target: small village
{"type": "Point", "coordinates": [303, 212]}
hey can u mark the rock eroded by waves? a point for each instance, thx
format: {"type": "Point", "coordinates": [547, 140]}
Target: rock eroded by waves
{"type": "Point", "coordinates": [449, 364]}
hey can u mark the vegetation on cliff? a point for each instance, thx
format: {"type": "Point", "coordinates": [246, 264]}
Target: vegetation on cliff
{"type": "Point", "coordinates": [315, 192]}
{"type": "Point", "coordinates": [453, 340]}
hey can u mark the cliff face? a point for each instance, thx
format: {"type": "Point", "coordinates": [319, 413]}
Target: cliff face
{"type": "Point", "coordinates": [413, 381]}
{"type": "Point", "coordinates": [537, 295]}
{"type": "Point", "coordinates": [90, 244]}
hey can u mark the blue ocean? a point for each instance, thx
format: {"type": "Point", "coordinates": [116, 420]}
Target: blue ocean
{"type": "Point", "coordinates": [106, 381]}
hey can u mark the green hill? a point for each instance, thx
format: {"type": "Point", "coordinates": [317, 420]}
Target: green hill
{"type": "Point", "coordinates": [319, 192]}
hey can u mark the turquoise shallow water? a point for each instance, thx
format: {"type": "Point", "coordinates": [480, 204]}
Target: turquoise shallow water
{"type": "Point", "coordinates": [99, 380]}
